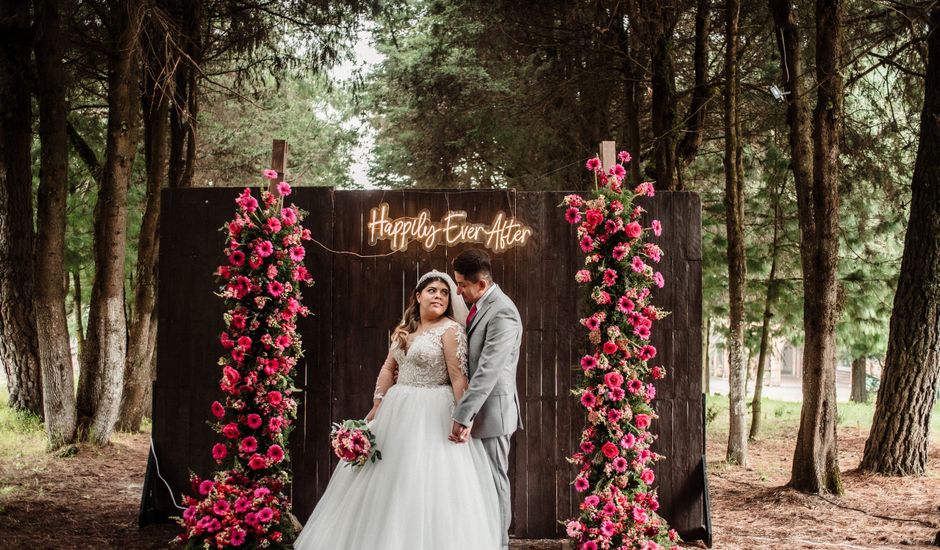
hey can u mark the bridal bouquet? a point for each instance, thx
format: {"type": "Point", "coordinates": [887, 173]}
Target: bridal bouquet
{"type": "Point", "coordinates": [354, 442]}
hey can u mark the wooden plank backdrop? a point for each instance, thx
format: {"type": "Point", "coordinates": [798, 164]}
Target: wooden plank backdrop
{"type": "Point", "coordinates": [359, 296]}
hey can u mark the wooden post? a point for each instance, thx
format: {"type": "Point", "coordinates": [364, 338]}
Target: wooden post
{"type": "Point", "coordinates": [278, 164]}
{"type": "Point", "coordinates": [608, 154]}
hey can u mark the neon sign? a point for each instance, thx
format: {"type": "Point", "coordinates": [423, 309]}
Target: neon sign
{"type": "Point", "coordinates": [503, 233]}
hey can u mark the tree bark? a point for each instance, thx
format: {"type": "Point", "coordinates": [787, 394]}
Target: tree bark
{"type": "Point", "coordinates": [188, 16]}
{"type": "Point", "coordinates": [897, 444]}
{"type": "Point", "coordinates": [859, 374]}
{"type": "Point", "coordinates": [155, 104]}
{"type": "Point", "coordinates": [815, 467]}
{"type": "Point", "coordinates": [769, 299]}
{"type": "Point", "coordinates": [734, 225]}
{"type": "Point", "coordinates": [51, 321]}
{"type": "Point", "coordinates": [102, 375]}
{"type": "Point", "coordinates": [701, 94]}
{"type": "Point", "coordinates": [630, 134]}
{"type": "Point", "coordinates": [663, 107]}
{"type": "Point", "coordinates": [19, 345]}
{"type": "Point", "coordinates": [77, 310]}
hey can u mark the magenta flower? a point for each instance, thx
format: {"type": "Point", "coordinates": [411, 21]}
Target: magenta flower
{"type": "Point", "coordinates": [236, 258]}
{"type": "Point", "coordinates": [657, 227]}
{"type": "Point", "coordinates": [581, 484]}
{"type": "Point", "coordinates": [633, 230]}
{"type": "Point", "coordinates": [273, 225]}
{"type": "Point", "coordinates": [573, 215]}
{"type": "Point", "coordinates": [624, 156]}
{"type": "Point", "coordinates": [205, 487]}
{"type": "Point", "coordinates": [276, 453]}
{"type": "Point", "coordinates": [264, 249]}
{"type": "Point", "coordinates": [219, 452]}
{"type": "Point", "coordinates": [283, 189]}
{"type": "Point", "coordinates": [248, 445]}
{"type": "Point", "coordinates": [618, 170]}
{"type": "Point", "coordinates": [265, 514]}
{"type": "Point", "coordinates": [593, 164]}
{"type": "Point", "coordinates": [257, 462]}
{"type": "Point", "coordinates": [588, 400]}
{"type": "Point", "coordinates": [270, 174]}
{"type": "Point", "coordinates": [297, 253]}
{"type": "Point", "coordinates": [254, 421]}
{"type": "Point", "coordinates": [642, 421]}
{"type": "Point", "coordinates": [275, 288]}
{"type": "Point", "coordinates": [288, 216]}
{"type": "Point", "coordinates": [217, 409]}
{"type": "Point", "coordinates": [587, 243]}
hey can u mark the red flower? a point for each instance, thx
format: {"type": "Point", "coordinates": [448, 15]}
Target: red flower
{"type": "Point", "coordinates": [633, 230]}
{"type": "Point", "coordinates": [219, 452]}
{"type": "Point", "coordinates": [230, 430]}
{"type": "Point", "coordinates": [275, 397]}
{"type": "Point", "coordinates": [610, 348]}
{"type": "Point", "coordinates": [276, 453]}
{"type": "Point", "coordinates": [217, 409]}
{"type": "Point", "coordinates": [613, 379]}
{"type": "Point", "coordinates": [610, 450]}
{"type": "Point", "coordinates": [257, 462]}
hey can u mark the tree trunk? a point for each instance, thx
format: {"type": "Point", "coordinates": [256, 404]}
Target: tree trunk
{"type": "Point", "coordinates": [769, 299]}
{"type": "Point", "coordinates": [19, 345]}
{"type": "Point", "coordinates": [51, 322]}
{"type": "Point", "coordinates": [737, 270]}
{"type": "Point", "coordinates": [707, 356]}
{"type": "Point", "coordinates": [77, 310]}
{"type": "Point", "coordinates": [702, 93]}
{"type": "Point", "coordinates": [897, 444]}
{"type": "Point", "coordinates": [102, 374]}
{"type": "Point", "coordinates": [139, 377]}
{"type": "Point", "coordinates": [183, 113]}
{"type": "Point", "coordinates": [815, 467]}
{"type": "Point", "coordinates": [630, 134]}
{"type": "Point", "coordinates": [859, 390]}
{"type": "Point", "coordinates": [663, 107]}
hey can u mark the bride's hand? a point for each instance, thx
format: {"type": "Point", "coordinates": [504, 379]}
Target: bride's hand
{"type": "Point", "coordinates": [371, 416]}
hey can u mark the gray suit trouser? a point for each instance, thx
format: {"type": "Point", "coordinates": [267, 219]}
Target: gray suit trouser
{"type": "Point", "coordinates": [497, 450]}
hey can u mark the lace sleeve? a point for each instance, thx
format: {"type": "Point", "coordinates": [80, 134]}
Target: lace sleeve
{"type": "Point", "coordinates": [386, 377]}
{"type": "Point", "coordinates": [454, 343]}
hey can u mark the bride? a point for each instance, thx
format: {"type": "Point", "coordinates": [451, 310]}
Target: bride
{"type": "Point", "coordinates": [427, 492]}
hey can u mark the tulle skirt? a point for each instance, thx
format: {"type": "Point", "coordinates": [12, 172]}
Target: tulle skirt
{"type": "Point", "coordinates": [426, 493]}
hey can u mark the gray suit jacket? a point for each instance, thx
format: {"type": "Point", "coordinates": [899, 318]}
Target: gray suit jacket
{"type": "Point", "coordinates": [491, 403]}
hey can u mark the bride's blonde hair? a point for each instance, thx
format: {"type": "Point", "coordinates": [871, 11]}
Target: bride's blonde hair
{"type": "Point", "coordinates": [412, 316]}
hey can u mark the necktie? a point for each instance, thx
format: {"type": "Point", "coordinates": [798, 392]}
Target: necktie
{"type": "Point", "coordinates": [473, 311]}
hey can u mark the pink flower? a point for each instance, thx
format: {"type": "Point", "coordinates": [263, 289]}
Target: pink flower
{"type": "Point", "coordinates": [206, 486]}
{"type": "Point", "coordinates": [637, 264]}
{"type": "Point", "coordinates": [256, 462]}
{"type": "Point", "coordinates": [573, 529]}
{"type": "Point", "coordinates": [645, 188]}
{"type": "Point", "coordinates": [230, 430]}
{"type": "Point", "coordinates": [593, 164]}
{"type": "Point", "coordinates": [275, 423]}
{"type": "Point", "coordinates": [657, 228]}
{"type": "Point", "coordinates": [589, 545]}
{"type": "Point", "coordinates": [625, 304]}
{"type": "Point", "coordinates": [582, 276]}
{"type": "Point", "coordinates": [219, 452]}
{"type": "Point", "coordinates": [244, 342]}
{"type": "Point", "coordinates": [633, 230]}
{"type": "Point", "coordinates": [217, 409]}
{"type": "Point", "coordinates": [273, 225]}
{"type": "Point", "coordinates": [248, 445]}
{"type": "Point", "coordinates": [573, 215]}
{"type": "Point", "coordinates": [658, 279]}
{"type": "Point", "coordinates": [646, 353]}
{"type": "Point", "coordinates": [620, 464]}
{"type": "Point", "coordinates": [628, 442]}
{"type": "Point", "coordinates": [594, 216]}
{"type": "Point", "coordinates": [236, 258]}
{"type": "Point", "coordinates": [238, 537]}
{"type": "Point", "coordinates": [588, 400]}
{"type": "Point", "coordinates": [624, 156]}
{"type": "Point", "coordinates": [642, 331]}
{"type": "Point", "coordinates": [659, 372]}
{"type": "Point", "coordinates": [608, 528]}
{"type": "Point", "coordinates": [297, 253]}
{"type": "Point", "coordinates": [275, 397]}
{"type": "Point", "coordinates": [288, 216]}
{"type": "Point", "coordinates": [265, 514]}
{"type": "Point", "coordinates": [639, 515]}
{"type": "Point", "coordinates": [613, 379]}
{"type": "Point", "coordinates": [283, 189]}
{"type": "Point", "coordinates": [587, 243]}
{"type": "Point", "coordinates": [283, 341]}
{"type": "Point", "coordinates": [264, 249]}
{"type": "Point", "coordinates": [588, 362]}
{"type": "Point", "coordinates": [616, 394]}
{"type": "Point", "coordinates": [647, 476]}
{"type": "Point", "coordinates": [650, 393]}
{"type": "Point", "coordinates": [275, 288]}
{"type": "Point", "coordinates": [620, 251]}
{"type": "Point", "coordinates": [574, 200]}
{"type": "Point", "coordinates": [247, 203]}
{"type": "Point", "coordinates": [642, 421]}
{"type": "Point", "coordinates": [253, 421]}
{"type": "Point", "coordinates": [270, 174]}
{"type": "Point", "coordinates": [242, 505]}
{"type": "Point", "coordinates": [220, 508]}
{"type": "Point", "coordinates": [587, 447]}
{"type": "Point", "coordinates": [592, 501]}
{"type": "Point", "coordinates": [618, 170]}
{"type": "Point", "coordinates": [610, 277]}
{"type": "Point", "coordinates": [276, 453]}
{"type": "Point", "coordinates": [634, 386]}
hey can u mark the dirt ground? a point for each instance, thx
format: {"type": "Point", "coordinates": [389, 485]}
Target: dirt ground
{"type": "Point", "coordinates": [91, 500]}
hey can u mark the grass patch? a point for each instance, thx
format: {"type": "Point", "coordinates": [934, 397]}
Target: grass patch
{"type": "Point", "coordinates": [21, 433]}
{"type": "Point", "coordinates": [782, 418]}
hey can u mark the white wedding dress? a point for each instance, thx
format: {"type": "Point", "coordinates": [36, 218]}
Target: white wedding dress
{"type": "Point", "coordinates": [426, 493]}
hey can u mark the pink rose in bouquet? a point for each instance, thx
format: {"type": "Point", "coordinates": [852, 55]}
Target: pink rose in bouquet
{"type": "Point", "coordinates": [354, 443]}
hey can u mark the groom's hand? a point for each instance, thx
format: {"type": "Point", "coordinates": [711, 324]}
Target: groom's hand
{"type": "Point", "coordinates": [459, 433]}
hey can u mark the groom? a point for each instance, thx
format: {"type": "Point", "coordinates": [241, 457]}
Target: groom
{"type": "Point", "coordinates": [489, 409]}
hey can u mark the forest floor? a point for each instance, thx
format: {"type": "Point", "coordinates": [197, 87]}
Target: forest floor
{"type": "Point", "coordinates": [91, 499]}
